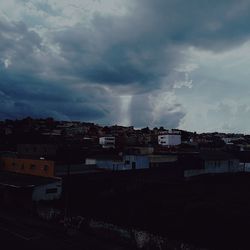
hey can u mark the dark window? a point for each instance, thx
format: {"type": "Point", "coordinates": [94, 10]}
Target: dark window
{"type": "Point", "coordinates": [127, 162]}
{"type": "Point", "coordinates": [51, 190]}
{"type": "Point", "coordinates": [32, 166]}
{"type": "Point", "coordinates": [133, 165]}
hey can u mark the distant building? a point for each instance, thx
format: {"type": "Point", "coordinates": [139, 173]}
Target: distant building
{"type": "Point", "coordinates": [42, 167]}
{"type": "Point", "coordinates": [136, 161]}
{"type": "Point", "coordinates": [37, 167]}
{"type": "Point", "coordinates": [162, 161]}
{"type": "Point", "coordinates": [209, 162]}
{"type": "Point", "coordinates": [169, 138]}
{"type": "Point", "coordinates": [37, 150]}
{"type": "Point", "coordinates": [107, 141]}
{"type": "Point", "coordinates": [117, 163]}
{"type": "Point", "coordinates": [132, 161]}
{"type": "Point", "coordinates": [23, 191]}
{"type": "Point", "coordinates": [106, 161]}
{"type": "Point", "coordinates": [139, 150]}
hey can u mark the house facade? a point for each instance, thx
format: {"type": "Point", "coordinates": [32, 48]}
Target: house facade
{"type": "Point", "coordinates": [169, 138]}
{"type": "Point", "coordinates": [210, 162]}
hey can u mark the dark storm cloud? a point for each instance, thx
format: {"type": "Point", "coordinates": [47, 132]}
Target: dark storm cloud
{"type": "Point", "coordinates": [144, 46]}
{"type": "Point", "coordinates": [17, 42]}
{"type": "Point", "coordinates": [135, 52]}
{"type": "Point", "coordinates": [32, 97]}
{"type": "Point", "coordinates": [114, 55]}
{"type": "Point", "coordinates": [26, 88]}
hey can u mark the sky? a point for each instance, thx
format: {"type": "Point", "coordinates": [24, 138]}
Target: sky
{"type": "Point", "coordinates": [172, 63]}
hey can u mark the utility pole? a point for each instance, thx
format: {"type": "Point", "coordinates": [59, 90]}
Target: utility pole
{"type": "Point", "coordinates": [67, 188]}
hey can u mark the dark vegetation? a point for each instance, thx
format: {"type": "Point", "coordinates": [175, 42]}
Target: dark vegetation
{"type": "Point", "coordinates": [212, 211]}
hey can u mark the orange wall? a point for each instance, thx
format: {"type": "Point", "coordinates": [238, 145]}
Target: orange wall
{"type": "Point", "coordinates": [43, 168]}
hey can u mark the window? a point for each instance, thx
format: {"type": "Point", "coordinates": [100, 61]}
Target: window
{"type": "Point", "coordinates": [133, 165]}
{"type": "Point", "coordinates": [51, 190]}
{"type": "Point", "coordinates": [127, 162]}
{"type": "Point", "coordinates": [45, 168]}
{"type": "Point", "coordinates": [32, 166]}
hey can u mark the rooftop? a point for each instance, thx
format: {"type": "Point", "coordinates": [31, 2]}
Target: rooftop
{"type": "Point", "coordinates": [15, 180]}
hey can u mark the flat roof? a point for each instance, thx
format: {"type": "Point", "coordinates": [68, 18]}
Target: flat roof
{"type": "Point", "coordinates": [15, 180]}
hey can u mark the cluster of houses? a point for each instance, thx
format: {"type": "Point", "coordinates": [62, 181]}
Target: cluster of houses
{"type": "Point", "coordinates": [38, 155]}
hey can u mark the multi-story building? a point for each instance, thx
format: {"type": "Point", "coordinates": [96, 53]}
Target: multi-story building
{"type": "Point", "coordinates": [169, 138]}
{"type": "Point", "coordinates": [107, 141]}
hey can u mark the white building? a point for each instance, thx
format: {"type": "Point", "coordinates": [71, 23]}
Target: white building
{"type": "Point", "coordinates": [27, 188]}
{"type": "Point", "coordinates": [169, 138]}
{"type": "Point", "coordinates": [118, 163]}
{"type": "Point", "coordinates": [49, 191]}
{"type": "Point", "coordinates": [107, 141]}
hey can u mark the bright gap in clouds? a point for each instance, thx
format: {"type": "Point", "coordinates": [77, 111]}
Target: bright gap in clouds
{"type": "Point", "coordinates": [219, 98]}
{"type": "Point", "coordinates": [125, 119]}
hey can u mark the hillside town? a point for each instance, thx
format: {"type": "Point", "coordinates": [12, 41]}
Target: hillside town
{"type": "Point", "coordinates": [56, 170]}
{"type": "Point", "coordinates": [49, 148]}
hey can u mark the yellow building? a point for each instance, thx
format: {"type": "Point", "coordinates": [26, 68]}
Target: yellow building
{"type": "Point", "coordinates": [36, 167]}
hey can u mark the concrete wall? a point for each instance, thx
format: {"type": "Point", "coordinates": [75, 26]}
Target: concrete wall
{"type": "Point", "coordinates": [245, 166]}
{"type": "Point", "coordinates": [110, 164]}
{"type": "Point", "coordinates": [222, 166]}
{"type": "Point", "coordinates": [213, 167]}
{"type": "Point", "coordinates": [90, 161]}
{"type": "Point", "coordinates": [47, 192]}
{"type": "Point", "coordinates": [129, 162]}
{"type": "Point", "coordinates": [138, 161]}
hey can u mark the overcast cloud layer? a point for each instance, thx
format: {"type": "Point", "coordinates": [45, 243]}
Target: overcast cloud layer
{"type": "Point", "coordinates": [171, 63]}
